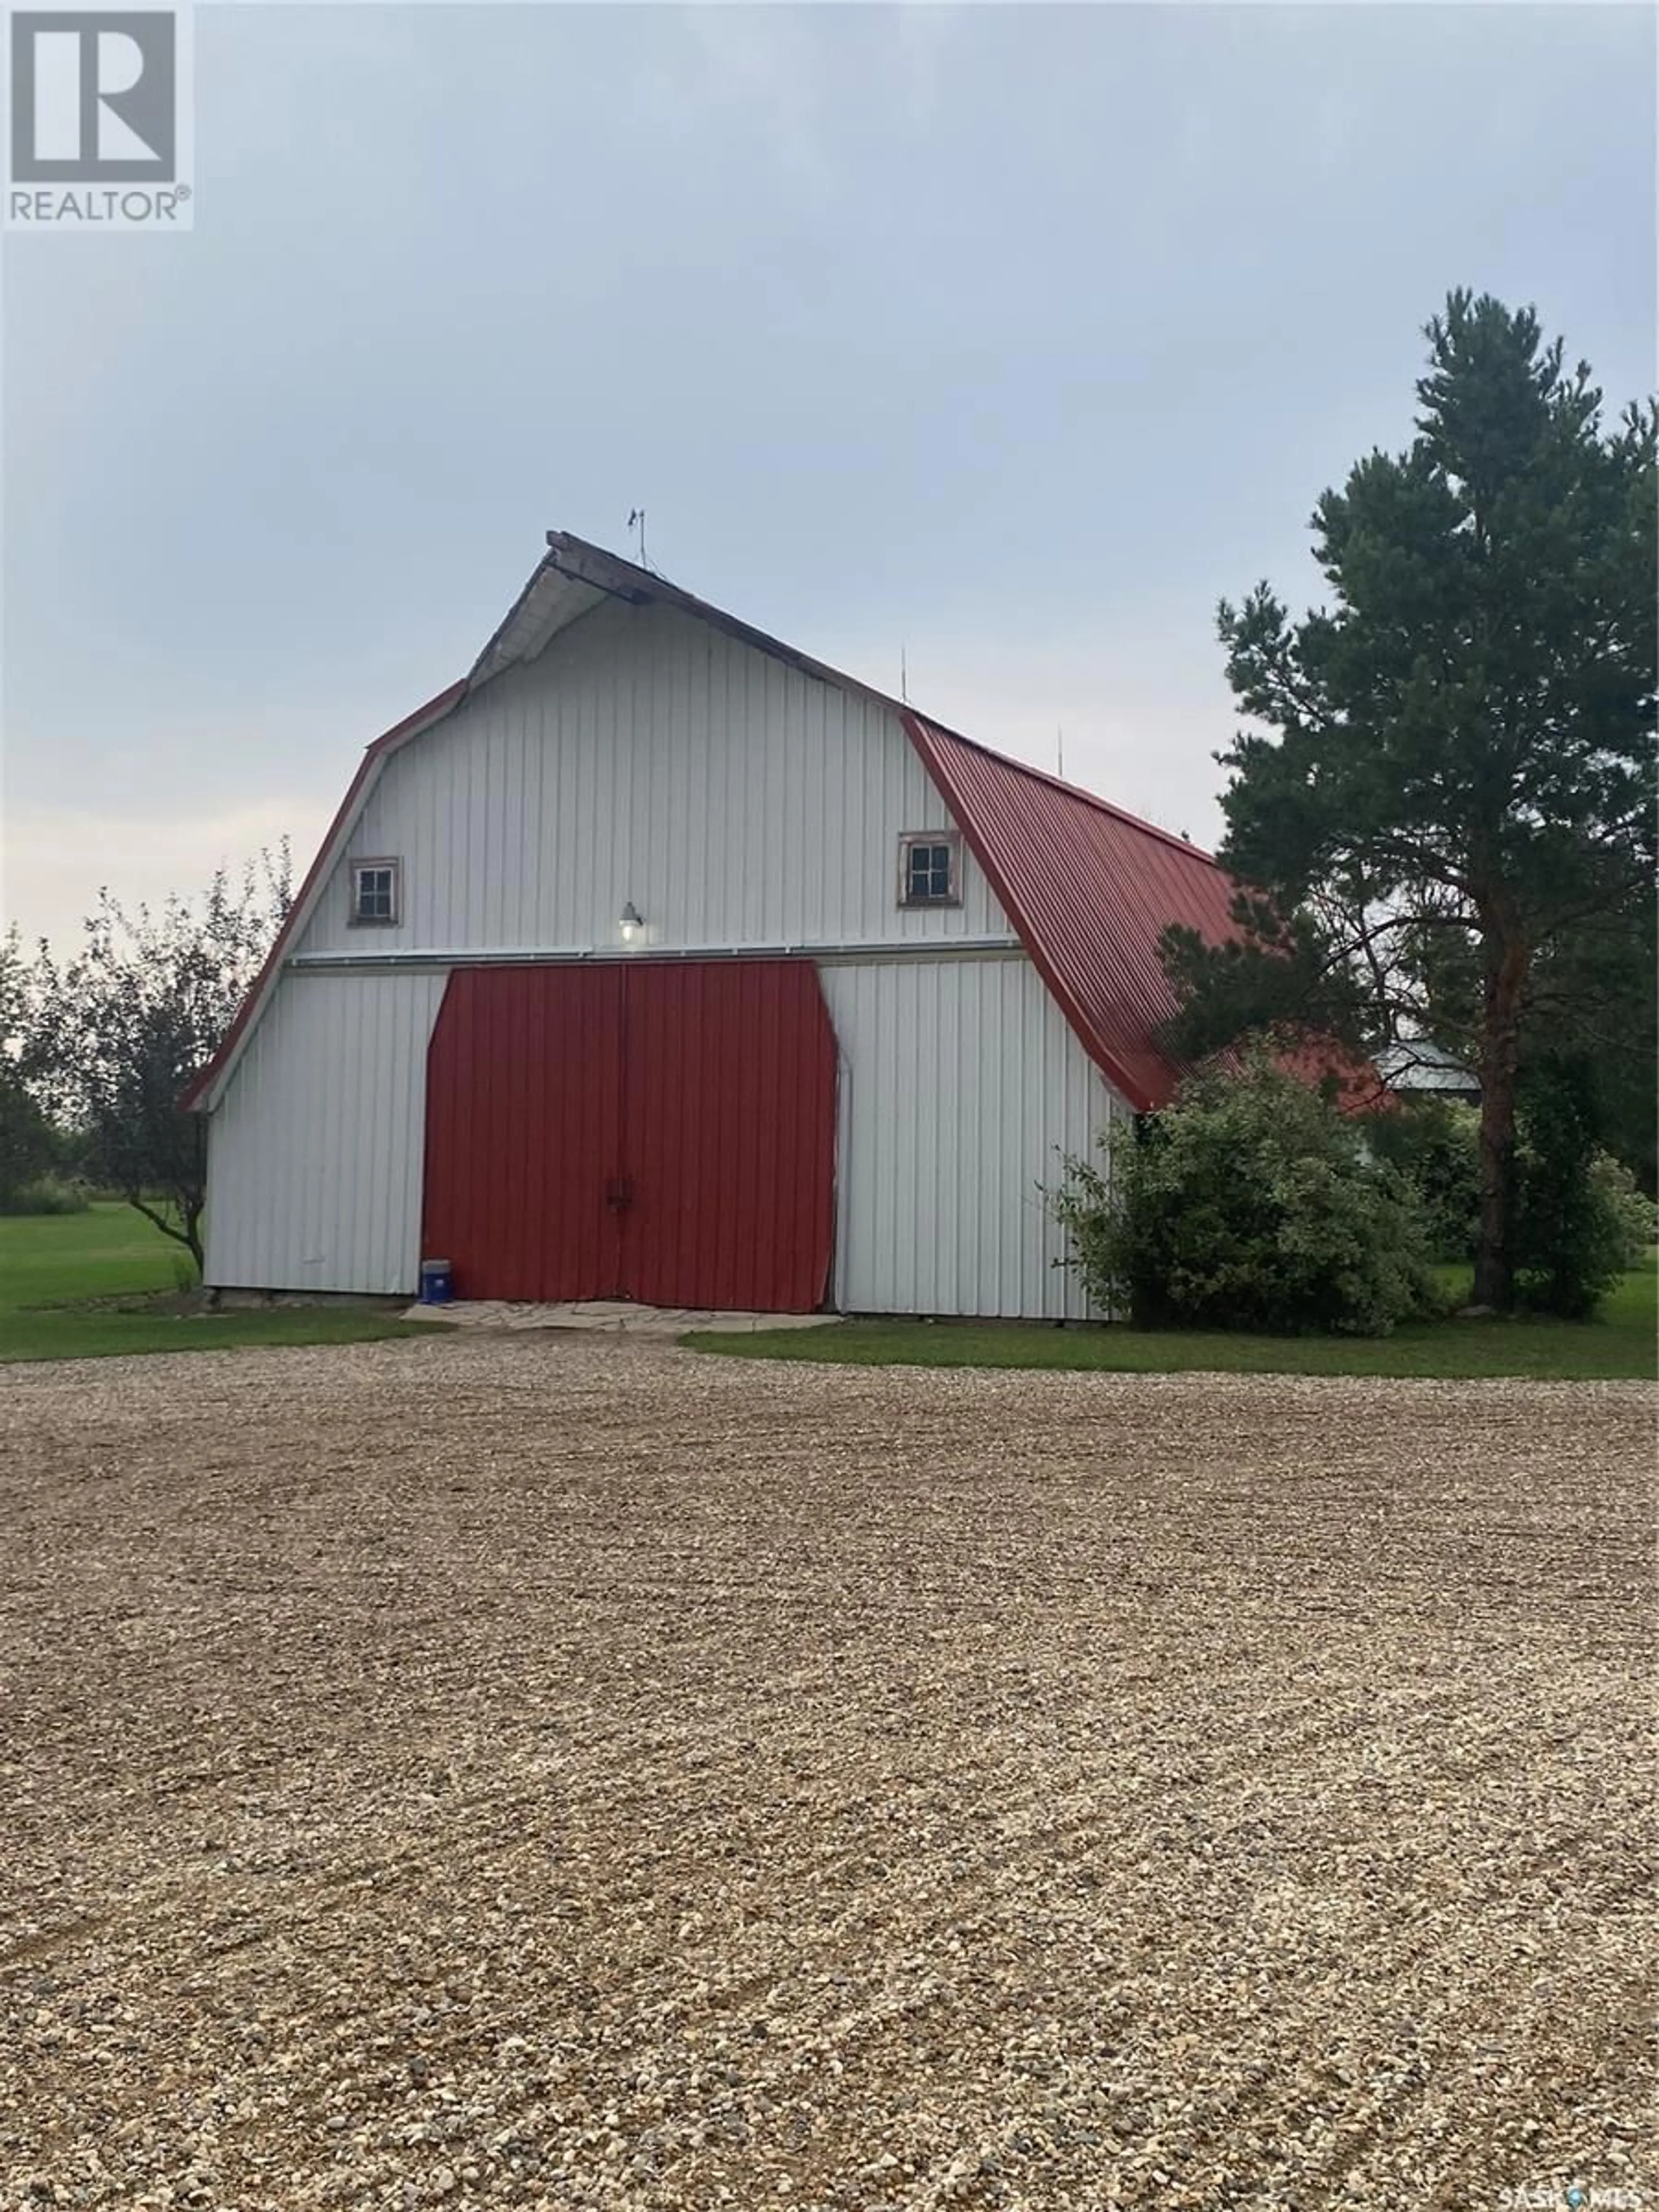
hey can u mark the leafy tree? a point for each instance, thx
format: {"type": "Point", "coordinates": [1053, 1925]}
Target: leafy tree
{"type": "Point", "coordinates": [1593, 994]}
{"type": "Point", "coordinates": [1251, 1203]}
{"type": "Point", "coordinates": [1434, 1142]}
{"type": "Point", "coordinates": [1581, 1219]}
{"type": "Point", "coordinates": [26, 1143]}
{"type": "Point", "coordinates": [118, 1031]}
{"type": "Point", "coordinates": [1572, 1240]}
{"type": "Point", "coordinates": [1444, 808]}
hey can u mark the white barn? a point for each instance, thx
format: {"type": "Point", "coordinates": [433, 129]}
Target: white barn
{"type": "Point", "coordinates": [654, 960]}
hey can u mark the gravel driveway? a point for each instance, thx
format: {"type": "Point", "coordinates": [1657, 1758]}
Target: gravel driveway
{"type": "Point", "coordinates": [570, 1773]}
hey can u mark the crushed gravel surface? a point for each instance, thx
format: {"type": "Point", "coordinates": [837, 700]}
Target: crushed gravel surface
{"type": "Point", "coordinates": [533, 1770]}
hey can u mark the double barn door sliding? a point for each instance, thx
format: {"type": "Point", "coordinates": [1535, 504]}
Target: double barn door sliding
{"type": "Point", "coordinates": [657, 1130]}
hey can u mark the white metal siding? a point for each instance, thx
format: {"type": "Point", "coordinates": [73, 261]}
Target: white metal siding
{"type": "Point", "coordinates": [738, 802]}
{"type": "Point", "coordinates": [962, 1086]}
{"type": "Point", "coordinates": [647, 756]}
{"type": "Point", "coordinates": [316, 1151]}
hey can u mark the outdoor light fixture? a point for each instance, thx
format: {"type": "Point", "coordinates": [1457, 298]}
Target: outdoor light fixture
{"type": "Point", "coordinates": [633, 923]}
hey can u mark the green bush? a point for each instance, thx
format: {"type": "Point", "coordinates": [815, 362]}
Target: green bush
{"type": "Point", "coordinates": [46, 1195]}
{"type": "Point", "coordinates": [1618, 1190]}
{"type": "Point", "coordinates": [1434, 1142]}
{"type": "Point", "coordinates": [1573, 1232]}
{"type": "Point", "coordinates": [1249, 1204]}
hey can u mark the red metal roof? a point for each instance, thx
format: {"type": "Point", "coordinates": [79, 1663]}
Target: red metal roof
{"type": "Point", "coordinates": [1090, 890]}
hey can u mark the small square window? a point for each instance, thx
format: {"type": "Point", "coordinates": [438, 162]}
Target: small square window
{"type": "Point", "coordinates": [374, 889]}
{"type": "Point", "coordinates": [929, 868]}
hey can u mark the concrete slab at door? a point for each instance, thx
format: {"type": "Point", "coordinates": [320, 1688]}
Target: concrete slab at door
{"type": "Point", "coordinates": [729, 1135]}
{"type": "Point", "coordinates": [524, 1133]}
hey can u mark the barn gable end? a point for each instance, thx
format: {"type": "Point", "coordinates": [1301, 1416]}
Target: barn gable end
{"type": "Point", "coordinates": [627, 776]}
{"type": "Point", "coordinates": [644, 758]}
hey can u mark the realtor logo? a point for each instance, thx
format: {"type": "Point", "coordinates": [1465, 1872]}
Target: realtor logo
{"type": "Point", "coordinates": [96, 106]}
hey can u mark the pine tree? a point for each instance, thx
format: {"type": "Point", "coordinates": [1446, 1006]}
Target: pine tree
{"type": "Point", "coordinates": [1447, 787]}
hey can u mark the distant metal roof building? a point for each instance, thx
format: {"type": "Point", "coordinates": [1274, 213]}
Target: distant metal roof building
{"type": "Point", "coordinates": [1416, 1064]}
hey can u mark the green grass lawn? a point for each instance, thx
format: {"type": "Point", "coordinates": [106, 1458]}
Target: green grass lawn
{"type": "Point", "coordinates": [1621, 1342]}
{"type": "Point", "coordinates": [55, 1271]}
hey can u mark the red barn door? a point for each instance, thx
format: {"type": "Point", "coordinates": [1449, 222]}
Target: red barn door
{"type": "Point", "coordinates": [729, 1121]}
{"type": "Point", "coordinates": [656, 1130]}
{"type": "Point", "coordinates": [524, 1133]}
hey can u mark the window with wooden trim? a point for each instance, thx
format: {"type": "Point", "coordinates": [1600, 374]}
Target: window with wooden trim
{"type": "Point", "coordinates": [929, 868]}
{"type": "Point", "coordinates": [376, 892]}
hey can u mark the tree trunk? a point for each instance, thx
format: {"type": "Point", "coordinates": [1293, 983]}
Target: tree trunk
{"type": "Point", "coordinates": [1505, 985]}
{"type": "Point", "coordinates": [189, 1234]}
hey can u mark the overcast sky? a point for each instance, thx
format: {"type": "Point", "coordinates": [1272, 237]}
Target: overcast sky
{"type": "Point", "coordinates": [1008, 336]}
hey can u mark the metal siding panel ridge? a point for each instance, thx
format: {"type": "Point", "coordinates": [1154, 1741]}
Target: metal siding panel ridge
{"type": "Point", "coordinates": [963, 1083]}
{"type": "Point", "coordinates": [314, 1149]}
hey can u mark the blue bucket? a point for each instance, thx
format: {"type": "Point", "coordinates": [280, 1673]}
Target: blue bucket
{"type": "Point", "coordinates": [437, 1282]}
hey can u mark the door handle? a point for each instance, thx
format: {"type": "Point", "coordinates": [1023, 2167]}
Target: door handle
{"type": "Point", "coordinates": [619, 1193]}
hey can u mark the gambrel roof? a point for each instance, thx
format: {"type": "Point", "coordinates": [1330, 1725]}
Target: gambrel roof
{"type": "Point", "coordinates": [1090, 890]}
{"type": "Point", "coordinates": [1087, 888]}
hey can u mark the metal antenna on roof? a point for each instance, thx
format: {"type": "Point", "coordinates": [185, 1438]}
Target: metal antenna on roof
{"type": "Point", "coordinates": [636, 520]}
{"type": "Point", "coordinates": [904, 677]}
{"type": "Point", "coordinates": [1060, 753]}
